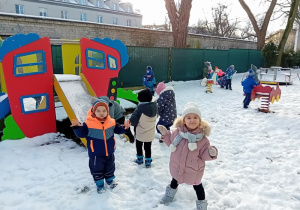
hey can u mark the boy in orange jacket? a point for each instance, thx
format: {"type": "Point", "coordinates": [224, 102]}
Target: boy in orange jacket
{"type": "Point", "coordinates": [99, 129]}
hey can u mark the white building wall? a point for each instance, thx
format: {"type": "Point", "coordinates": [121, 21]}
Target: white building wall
{"type": "Point", "coordinates": [54, 8]}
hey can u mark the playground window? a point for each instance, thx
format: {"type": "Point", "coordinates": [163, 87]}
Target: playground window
{"type": "Point", "coordinates": [95, 59]}
{"type": "Point", "coordinates": [112, 63]}
{"type": "Point", "coordinates": [30, 63]}
{"type": "Point", "coordinates": [34, 103]}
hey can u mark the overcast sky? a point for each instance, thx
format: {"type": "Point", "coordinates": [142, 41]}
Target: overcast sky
{"type": "Point", "coordinates": [154, 11]}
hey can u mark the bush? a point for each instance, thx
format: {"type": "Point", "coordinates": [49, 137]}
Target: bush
{"type": "Point", "coordinates": [270, 54]}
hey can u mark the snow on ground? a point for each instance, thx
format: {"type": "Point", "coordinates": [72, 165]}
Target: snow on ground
{"type": "Point", "coordinates": [257, 168]}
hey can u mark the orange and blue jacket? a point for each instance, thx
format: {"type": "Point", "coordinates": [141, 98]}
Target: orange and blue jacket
{"type": "Point", "coordinates": [100, 136]}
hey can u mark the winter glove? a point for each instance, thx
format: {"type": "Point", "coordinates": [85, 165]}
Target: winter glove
{"type": "Point", "coordinates": [212, 151]}
{"type": "Point", "coordinates": [145, 79]}
{"type": "Point", "coordinates": [162, 130]}
{"type": "Point", "coordinates": [172, 148]}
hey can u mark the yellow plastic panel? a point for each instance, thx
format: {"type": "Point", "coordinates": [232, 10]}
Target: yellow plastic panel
{"type": "Point", "coordinates": [2, 80]}
{"type": "Point", "coordinates": [71, 58]}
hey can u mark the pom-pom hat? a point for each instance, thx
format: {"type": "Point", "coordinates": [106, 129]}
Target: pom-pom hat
{"type": "Point", "coordinates": [160, 87]}
{"type": "Point", "coordinates": [191, 107]}
{"type": "Point", "coordinates": [251, 73]}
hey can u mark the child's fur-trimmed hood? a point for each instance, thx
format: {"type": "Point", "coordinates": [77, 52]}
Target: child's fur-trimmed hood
{"type": "Point", "coordinates": [204, 125]}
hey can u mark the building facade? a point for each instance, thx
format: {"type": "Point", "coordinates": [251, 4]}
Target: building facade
{"type": "Point", "coordinates": [112, 12]}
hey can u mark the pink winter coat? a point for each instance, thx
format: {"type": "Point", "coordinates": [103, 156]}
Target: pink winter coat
{"type": "Point", "coordinates": [188, 166]}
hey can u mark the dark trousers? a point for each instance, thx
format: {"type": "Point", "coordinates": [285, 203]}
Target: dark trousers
{"type": "Point", "coordinates": [247, 100]}
{"type": "Point", "coordinates": [102, 167]}
{"type": "Point", "coordinates": [228, 84]}
{"type": "Point", "coordinates": [147, 148]}
{"type": "Point", "coordinates": [198, 188]}
{"type": "Point", "coordinates": [164, 124]}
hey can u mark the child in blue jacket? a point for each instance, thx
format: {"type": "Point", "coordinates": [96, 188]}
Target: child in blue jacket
{"type": "Point", "coordinates": [99, 129]}
{"type": "Point", "coordinates": [149, 80]}
{"type": "Point", "coordinates": [229, 73]}
{"type": "Point", "coordinates": [248, 84]}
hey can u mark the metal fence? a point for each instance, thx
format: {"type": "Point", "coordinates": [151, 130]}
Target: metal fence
{"type": "Point", "coordinates": [172, 64]}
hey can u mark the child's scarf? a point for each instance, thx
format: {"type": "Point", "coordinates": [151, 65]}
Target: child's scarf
{"type": "Point", "coordinates": [192, 138]}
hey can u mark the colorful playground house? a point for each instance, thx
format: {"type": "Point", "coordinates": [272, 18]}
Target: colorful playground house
{"type": "Point", "coordinates": [27, 82]}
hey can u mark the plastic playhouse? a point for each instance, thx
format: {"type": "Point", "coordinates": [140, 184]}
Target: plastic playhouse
{"type": "Point", "coordinates": [27, 81]}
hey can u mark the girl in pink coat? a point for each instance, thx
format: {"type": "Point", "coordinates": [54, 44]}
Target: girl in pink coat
{"type": "Point", "coordinates": [190, 149]}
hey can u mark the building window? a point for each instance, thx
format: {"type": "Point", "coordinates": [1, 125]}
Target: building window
{"type": "Point", "coordinates": [115, 21]}
{"type": "Point", "coordinates": [64, 14]}
{"type": "Point", "coordinates": [128, 22]}
{"type": "Point", "coordinates": [99, 19]}
{"type": "Point", "coordinates": [83, 2]}
{"type": "Point", "coordinates": [19, 9]}
{"type": "Point", "coordinates": [64, 0]}
{"type": "Point", "coordinates": [83, 16]}
{"type": "Point", "coordinates": [99, 4]}
{"type": "Point", "coordinates": [43, 12]}
{"type": "Point", "coordinates": [128, 9]}
{"type": "Point", "coordinates": [115, 6]}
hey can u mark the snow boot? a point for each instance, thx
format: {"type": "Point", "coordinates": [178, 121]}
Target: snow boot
{"type": "Point", "coordinates": [201, 204]}
{"type": "Point", "coordinates": [111, 182]}
{"type": "Point", "coordinates": [139, 160]}
{"type": "Point", "coordinates": [148, 162]}
{"type": "Point", "coordinates": [100, 186]}
{"type": "Point", "coordinates": [169, 195]}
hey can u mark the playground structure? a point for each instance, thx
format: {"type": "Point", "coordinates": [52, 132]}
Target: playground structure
{"type": "Point", "coordinates": [267, 94]}
{"type": "Point", "coordinates": [209, 84]}
{"type": "Point", "coordinates": [27, 82]}
{"type": "Point", "coordinates": [275, 75]}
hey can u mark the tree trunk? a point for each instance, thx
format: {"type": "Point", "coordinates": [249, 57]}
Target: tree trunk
{"type": "Point", "coordinates": [260, 32]}
{"type": "Point", "coordinates": [288, 29]}
{"type": "Point", "coordinates": [179, 20]}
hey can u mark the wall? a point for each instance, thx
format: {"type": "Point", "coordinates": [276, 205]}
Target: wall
{"type": "Point", "coordinates": [130, 36]}
{"type": "Point", "coordinates": [54, 8]}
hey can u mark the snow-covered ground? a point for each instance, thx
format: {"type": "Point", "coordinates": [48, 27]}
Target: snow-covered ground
{"type": "Point", "coordinates": [257, 168]}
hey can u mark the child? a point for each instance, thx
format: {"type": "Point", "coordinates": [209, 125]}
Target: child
{"type": "Point", "coordinates": [221, 78]}
{"type": "Point", "coordinates": [143, 119]}
{"type": "Point", "coordinates": [166, 106]}
{"type": "Point", "coordinates": [248, 84]}
{"type": "Point", "coordinates": [190, 149]}
{"type": "Point", "coordinates": [116, 111]}
{"type": "Point", "coordinates": [99, 129]}
{"type": "Point", "coordinates": [229, 74]}
{"type": "Point", "coordinates": [149, 80]}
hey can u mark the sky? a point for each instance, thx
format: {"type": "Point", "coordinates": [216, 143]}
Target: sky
{"type": "Point", "coordinates": [257, 166]}
{"type": "Point", "coordinates": [154, 11]}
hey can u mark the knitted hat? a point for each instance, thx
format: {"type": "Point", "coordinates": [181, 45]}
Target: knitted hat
{"type": "Point", "coordinates": [160, 87]}
{"type": "Point", "coordinates": [191, 107]}
{"type": "Point", "coordinates": [149, 68]}
{"type": "Point", "coordinates": [232, 66]}
{"type": "Point", "coordinates": [100, 102]}
{"type": "Point", "coordinates": [251, 73]}
{"type": "Point", "coordinates": [145, 95]}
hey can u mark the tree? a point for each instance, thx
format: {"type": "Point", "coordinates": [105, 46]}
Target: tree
{"type": "Point", "coordinates": [262, 30]}
{"type": "Point", "coordinates": [221, 25]}
{"type": "Point", "coordinates": [179, 18]}
{"type": "Point", "coordinates": [289, 26]}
